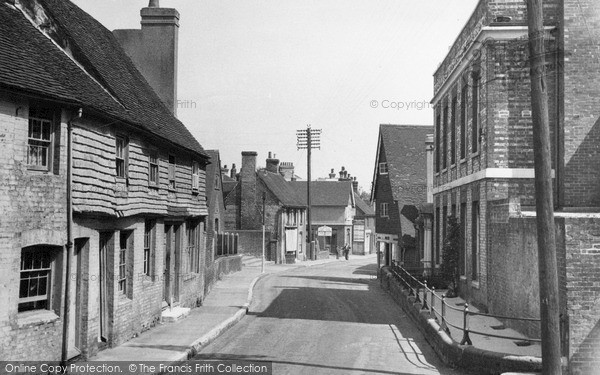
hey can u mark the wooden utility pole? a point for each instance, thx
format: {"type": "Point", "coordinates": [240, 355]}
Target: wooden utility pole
{"type": "Point", "coordinates": [546, 235]}
{"type": "Point", "coordinates": [309, 139]}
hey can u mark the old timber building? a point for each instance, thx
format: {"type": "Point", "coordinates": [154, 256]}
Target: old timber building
{"type": "Point", "coordinates": [94, 165]}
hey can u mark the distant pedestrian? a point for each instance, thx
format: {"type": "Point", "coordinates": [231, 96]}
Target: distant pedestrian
{"type": "Point", "coordinates": [346, 251]}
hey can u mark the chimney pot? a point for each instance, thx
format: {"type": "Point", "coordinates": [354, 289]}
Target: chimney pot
{"type": "Point", "coordinates": [154, 4]}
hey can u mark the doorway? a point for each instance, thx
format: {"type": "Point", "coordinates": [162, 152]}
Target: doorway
{"type": "Point", "coordinates": [105, 248]}
{"type": "Point", "coordinates": [75, 301]}
{"type": "Point", "coordinates": [172, 262]}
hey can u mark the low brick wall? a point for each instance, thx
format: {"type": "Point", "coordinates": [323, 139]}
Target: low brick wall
{"type": "Point", "coordinates": [453, 354]}
{"type": "Point", "coordinates": [221, 266]}
{"type": "Point", "coordinates": [250, 241]}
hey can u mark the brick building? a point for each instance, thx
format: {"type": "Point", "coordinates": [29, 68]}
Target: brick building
{"type": "Point", "coordinates": [363, 236]}
{"type": "Point", "coordinates": [399, 187]}
{"type": "Point", "coordinates": [333, 207]}
{"type": "Point", "coordinates": [132, 202]}
{"type": "Point", "coordinates": [264, 193]}
{"type": "Point", "coordinates": [484, 164]}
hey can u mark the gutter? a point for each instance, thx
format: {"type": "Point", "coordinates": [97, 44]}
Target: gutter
{"type": "Point", "coordinates": [69, 246]}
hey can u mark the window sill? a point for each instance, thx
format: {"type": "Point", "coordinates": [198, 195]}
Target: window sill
{"type": "Point", "coordinates": [462, 161]}
{"type": "Point", "coordinates": [154, 186]}
{"type": "Point", "coordinates": [38, 169]}
{"type": "Point", "coordinates": [36, 317]}
{"type": "Point", "coordinates": [463, 278]}
{"type": "Point", "coordinates": [195, 191]}
{"type": "Point", "coordinates": [475, 284]}
{"type": "Point", "coordinates": [475, 154]}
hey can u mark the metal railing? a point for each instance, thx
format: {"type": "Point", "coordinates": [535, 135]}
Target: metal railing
{"type": "Point", "coordinates": [427, 297]}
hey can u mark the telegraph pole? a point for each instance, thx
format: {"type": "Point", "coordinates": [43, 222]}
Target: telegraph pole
{"type": "Point", "coordinates": [546, 236]}
{"type": "Point", "coordinates": [262, 264]}
{"type": "Point", "coordinates": [308, 139]}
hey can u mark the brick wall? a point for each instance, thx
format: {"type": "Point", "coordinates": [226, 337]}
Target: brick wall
{"type": "Point", "coordinates": [250, 242]}
{"type": "Point", "coordinates": [514, 273]}
{"type": "Point", "coordinates": [581, 103]}
{"type": "Point", "coordinates": [33, 212]}
{"type": "Point", "coordinates": [583, 292]}
{"type": "Point", "coordinates": [249, 212]}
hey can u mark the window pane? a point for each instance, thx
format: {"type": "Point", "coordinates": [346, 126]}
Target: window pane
{"type": "Point", "coordinates": [35, 129]}
{"type": "Point", "coordinates": [46, 130]}
{"type": "Point", "coordinates": [23, 287]}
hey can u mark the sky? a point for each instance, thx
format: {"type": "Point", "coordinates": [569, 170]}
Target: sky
{"type": "Point", "coordinates": [251, 73]}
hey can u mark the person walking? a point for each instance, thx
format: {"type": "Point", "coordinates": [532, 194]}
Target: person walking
{"type": "Point", "coordinates": [346, 251]}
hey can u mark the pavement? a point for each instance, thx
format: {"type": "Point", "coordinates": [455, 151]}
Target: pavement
{"type": "Point", "coordinates": [518, 345]}
{"type": "Point", "coordinates": [228, 302]}
{"type": "Point", "coordinates": [225, 305]}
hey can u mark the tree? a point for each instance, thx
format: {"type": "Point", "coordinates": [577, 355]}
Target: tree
{"type": "Point", "coordinates": [450, 256]}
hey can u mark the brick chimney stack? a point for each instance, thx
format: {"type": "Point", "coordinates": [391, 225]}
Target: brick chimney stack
{"type": "Point", "coordinates": [154, 50]}
{"type": "Point", "coordinates": [272, 164]}
{"type": "Point", "coordinates": [249, 213]}
{"type": "Point", "coordinates": [355, 185]}
{"type": "Point", "coordinates": [286, 169]}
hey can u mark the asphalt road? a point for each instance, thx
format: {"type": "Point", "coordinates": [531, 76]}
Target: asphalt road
{"type": "Point", "coordinates": [327, 319]}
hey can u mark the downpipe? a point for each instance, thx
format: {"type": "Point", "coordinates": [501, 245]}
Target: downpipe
{"type": "Point", "coordinates": [69, 246]}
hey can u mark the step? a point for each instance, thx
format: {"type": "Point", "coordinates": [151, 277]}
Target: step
{"type": "Point", "coordinates": [171, 315]}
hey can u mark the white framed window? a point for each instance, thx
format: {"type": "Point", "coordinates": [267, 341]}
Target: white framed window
{"type": "Point", "coordinates": [36, 278]}
{"type": "Point", "coordinates": [149, 248]}
{"type": "Point", "coordinates": [40, 138]}
{"type": "Point", "coordinates": [195, 176]}
{"type": "Point", "coordinates": [153, 176]}
{"type": "Point", "coordinates": [121, 156]}
{"type": "Point", "coordinates": [384, 209]}
{"type": "Point", "coordinates": [383, 168]}
{"type": "Point", "coordinates": [192, 263]}
{"type": "Point", "coordinates": [125, 280]}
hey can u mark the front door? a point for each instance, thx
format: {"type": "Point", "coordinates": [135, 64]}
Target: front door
{"type": "Point", "coordinates": [172, 262]}
{"type": "Point", "coordinates": [167, 295]}
{"type": "Point", "coordinates": [105, 248]}
{"type": "Point", "coordinates": [75, 302]}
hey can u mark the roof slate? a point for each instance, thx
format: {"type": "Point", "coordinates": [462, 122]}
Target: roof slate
{"type": "Point", "coordinates": [281, 188]}
{"type": "Point", "coordinates": [325, 193]}
{"type": "Point", "coordinates": [109, 83]}
{"type": "Point", "coordinates": [361, 205]}
{"type": "Point", "coordinates": [406, 158]}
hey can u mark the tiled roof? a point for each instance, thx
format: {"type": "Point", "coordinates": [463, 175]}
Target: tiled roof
{"type": "Point", "coordinates": [406, 158]}
{"type": "Point", "coordinates": [325, 193]}
{"type": "Point", "coordinates": [361, 205]}
{"type": "Point", "coordinates": [105, 82]}
{"type": "Point", "coordinates": [212, 169]}
{"type": "Point", "coordinates": [281, 188]}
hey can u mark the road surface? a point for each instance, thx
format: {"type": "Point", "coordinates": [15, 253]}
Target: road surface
{"type": "Point", "coordinates": [327, 319]}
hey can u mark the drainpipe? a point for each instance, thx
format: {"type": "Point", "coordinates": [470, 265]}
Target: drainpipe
{"type": "Point", "coordinates": [69, 247]}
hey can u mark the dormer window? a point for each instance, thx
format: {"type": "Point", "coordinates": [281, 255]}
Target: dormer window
{"type": "Point", "coordinates": [383, 168]}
